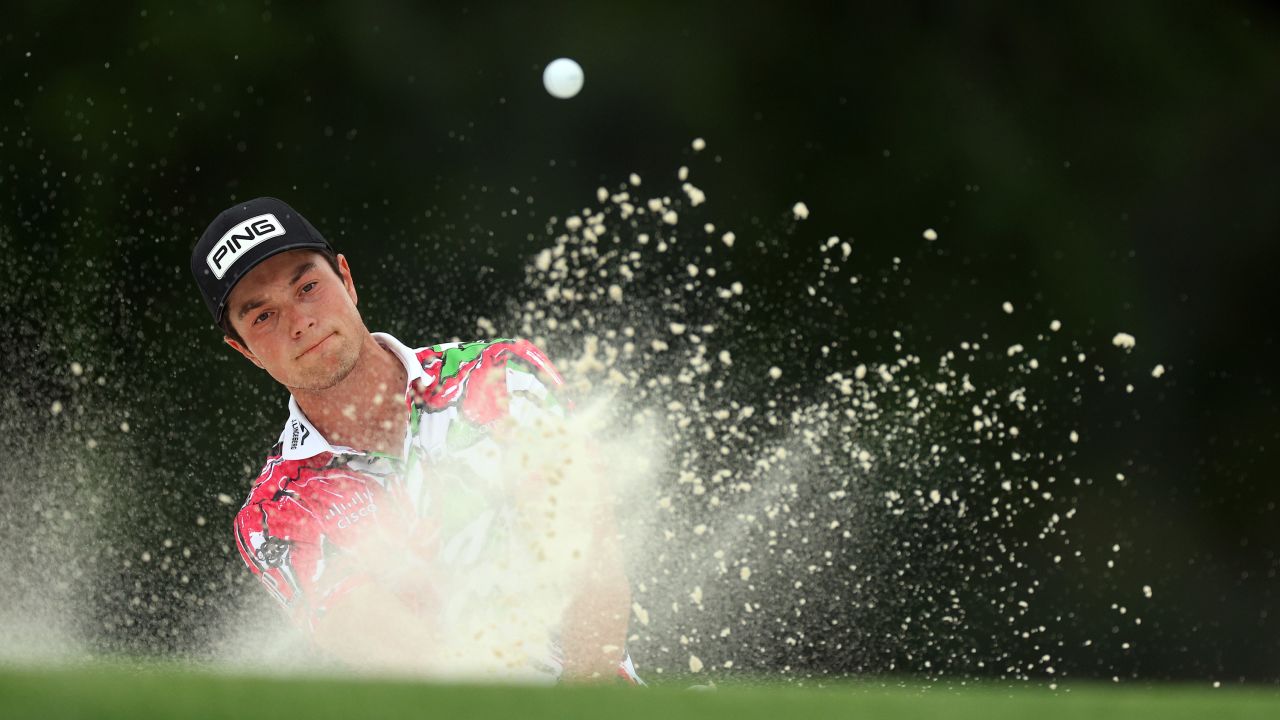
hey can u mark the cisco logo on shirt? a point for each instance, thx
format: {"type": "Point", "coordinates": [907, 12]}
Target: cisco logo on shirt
{"type": "Point", "coordinates": [240, 238]}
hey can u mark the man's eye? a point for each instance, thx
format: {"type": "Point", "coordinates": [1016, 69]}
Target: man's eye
{"type": "Point", "coordinates": [310, 286]}
{"type": "Point", "coordinates": [261, 318]}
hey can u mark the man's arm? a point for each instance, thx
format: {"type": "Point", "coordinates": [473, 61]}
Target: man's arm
{"type": "Point", "coordinates": [595, 623]}
{"type": "Point", "coordinates": [348, 613]}
{"type": "Point", "coordinates": [593, 628]}
{"type": "Point", "coordinates": [369, 627]}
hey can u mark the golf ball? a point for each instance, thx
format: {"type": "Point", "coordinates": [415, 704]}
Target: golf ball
{"type": "Point", "coordinates": [563, 78]}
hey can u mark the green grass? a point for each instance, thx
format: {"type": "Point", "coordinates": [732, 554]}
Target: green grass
{"type": "Point", "coordinates": [112, 692]}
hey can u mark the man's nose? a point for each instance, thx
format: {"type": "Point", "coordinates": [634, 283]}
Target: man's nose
{"type": "Point", "coordinates": [299, 321]}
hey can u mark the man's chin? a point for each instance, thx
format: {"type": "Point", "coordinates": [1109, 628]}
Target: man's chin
{"type": "Point", "coordinates": [325, 371]}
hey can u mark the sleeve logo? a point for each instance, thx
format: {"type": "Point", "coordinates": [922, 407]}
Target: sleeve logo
{"type": "Point", "coordinates": [240, 238]}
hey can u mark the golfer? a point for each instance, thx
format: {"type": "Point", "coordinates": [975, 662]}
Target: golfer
{"type": "Point", "coordinates": [374, 511]}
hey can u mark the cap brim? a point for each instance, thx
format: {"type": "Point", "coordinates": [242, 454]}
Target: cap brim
{"type": "Point", "coordinates": [237, 277]}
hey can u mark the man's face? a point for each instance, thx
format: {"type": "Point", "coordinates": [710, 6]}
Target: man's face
{"type": "Point", "coordinates": [298, 319]}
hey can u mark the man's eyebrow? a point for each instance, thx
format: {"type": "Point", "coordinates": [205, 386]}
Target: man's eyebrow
{"type": "Point", "coordinates": [303, 269]}
{"type": "Point", "coordinates": [245, 308]}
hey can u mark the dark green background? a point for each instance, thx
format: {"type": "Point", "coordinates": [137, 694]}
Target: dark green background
{"type": "Point", "coordinates": [1110, 165]}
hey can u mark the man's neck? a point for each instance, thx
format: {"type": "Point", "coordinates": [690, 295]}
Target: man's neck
{"type": "Point", "coordinates": [364, 410]}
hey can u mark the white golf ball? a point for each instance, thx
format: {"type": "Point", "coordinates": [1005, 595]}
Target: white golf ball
{"type": "Point", "coordinates": [563, 78]}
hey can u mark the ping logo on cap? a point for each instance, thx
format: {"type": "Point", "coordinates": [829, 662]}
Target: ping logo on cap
{"type": "Point", "coordinates": [240, 238]}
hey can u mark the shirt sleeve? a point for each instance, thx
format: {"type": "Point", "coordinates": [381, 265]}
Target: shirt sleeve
{"type": "Point", "coordinates": [282, 542]}
{"type": "Point", "coordinates": [533, 385]}
{"type": "Point", "coordinates": [513, 378]}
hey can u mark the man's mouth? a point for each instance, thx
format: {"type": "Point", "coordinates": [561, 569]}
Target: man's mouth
{"type": "Point", "coordinates": [313, 347]}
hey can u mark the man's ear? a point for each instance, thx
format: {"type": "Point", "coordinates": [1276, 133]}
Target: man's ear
{"type": "Point", "coordinates": [240, 348]}
{"type": "Point", "coordinates": [344, 271]}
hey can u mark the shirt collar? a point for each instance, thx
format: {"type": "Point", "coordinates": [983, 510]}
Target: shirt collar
{"type": "Point", "coordinates": [408, 358]}
{"type": "Point", "coordinates": [300, 440]}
